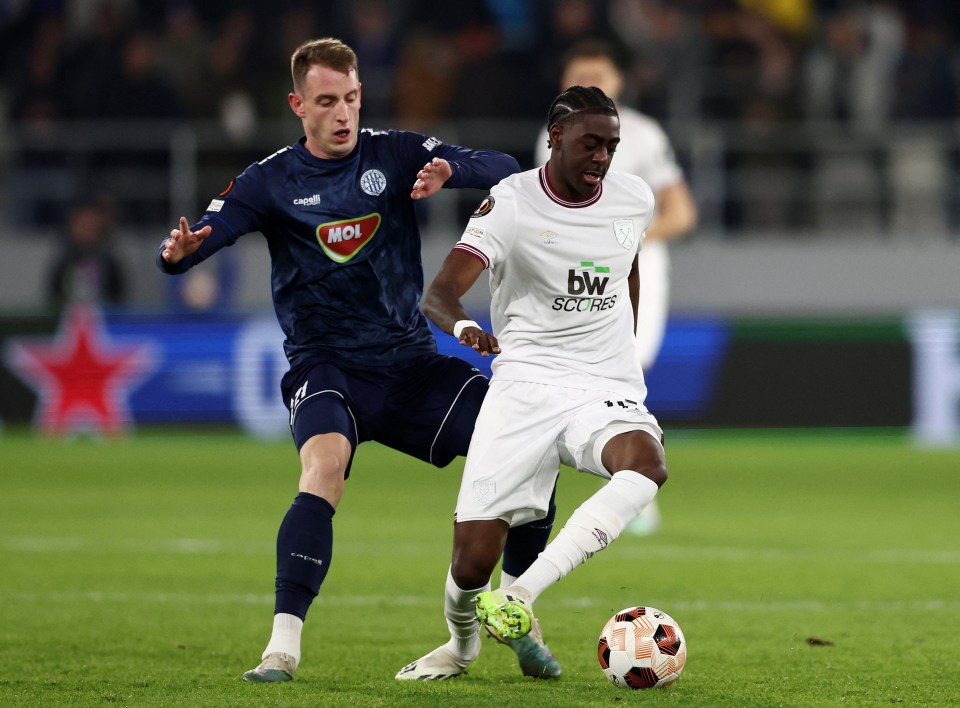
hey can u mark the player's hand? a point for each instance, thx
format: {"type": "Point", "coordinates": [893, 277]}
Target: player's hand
{"type": "Point", "coordinates": [182, 242]}
{"type": "Point", "coordinates": [431, 178]}
{"type": "Point", "coordinates": [480, 341]}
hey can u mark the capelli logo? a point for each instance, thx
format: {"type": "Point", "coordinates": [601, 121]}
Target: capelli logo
{"type": "Point", "coordinates": [313, 200]}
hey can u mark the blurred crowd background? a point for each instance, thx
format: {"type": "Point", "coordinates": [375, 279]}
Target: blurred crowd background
{"type": "Point", "coordinates": [793, 119]}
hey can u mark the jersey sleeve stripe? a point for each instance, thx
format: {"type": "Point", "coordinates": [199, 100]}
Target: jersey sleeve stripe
{"type": "Point", "coordinates": [475, 252]}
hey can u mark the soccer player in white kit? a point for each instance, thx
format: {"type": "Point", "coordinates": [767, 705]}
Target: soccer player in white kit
{"type": "Point", "coordinates": [646, 152]}
{"type": "Point", "coordinates": [561, 243]}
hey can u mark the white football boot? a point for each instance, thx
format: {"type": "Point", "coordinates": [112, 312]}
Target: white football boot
{"type": "Point", "coordinates": [439, 665]}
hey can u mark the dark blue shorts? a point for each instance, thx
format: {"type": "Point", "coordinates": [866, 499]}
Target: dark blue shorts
{"type": "Point", "coordinates": [427, 409]}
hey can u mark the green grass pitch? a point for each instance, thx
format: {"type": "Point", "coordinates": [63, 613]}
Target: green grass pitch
{"type": "Point", "coordinates": [813, 568]}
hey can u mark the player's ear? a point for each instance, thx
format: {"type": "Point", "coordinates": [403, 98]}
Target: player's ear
{"type": "Point", "coordinates": [296, 104]}
{"type": "Point", "coordinates": [554, 135]}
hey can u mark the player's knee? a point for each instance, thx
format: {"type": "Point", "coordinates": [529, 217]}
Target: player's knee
{"type": "Point", "coordinates": [320, 470]}
{"type": "Point", "coordinates": [469, 574]}
{"type": "Point", "coordinates": [636, 451]}
{"type": "Point", "coordinates": [477, 546]}
{"type": "Point", "coordinates": [323, 466]}
{"type": "Point", "coordinates": [657, 472]}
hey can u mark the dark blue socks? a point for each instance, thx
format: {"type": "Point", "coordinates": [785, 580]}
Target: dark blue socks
{"type": "Point", "coordinates": [304, 549]}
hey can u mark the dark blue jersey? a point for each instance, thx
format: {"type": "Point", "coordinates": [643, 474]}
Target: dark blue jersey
{"type": "Point", "coordinates": [344, 242]}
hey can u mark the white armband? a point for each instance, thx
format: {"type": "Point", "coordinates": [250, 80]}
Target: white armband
{"type": "Point", "coordinates": [462, 325]}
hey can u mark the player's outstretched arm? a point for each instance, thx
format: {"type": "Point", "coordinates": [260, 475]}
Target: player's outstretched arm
{"type": "Point", "coordinates": [442, 305]}
{"type": "Point", "coordinates": [182, 242]}
{"type": "Point", "coordinates": [431, 178]}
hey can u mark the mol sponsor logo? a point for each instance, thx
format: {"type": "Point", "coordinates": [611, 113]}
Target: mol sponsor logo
{"type": "Point", "coordinates": [342, 240]}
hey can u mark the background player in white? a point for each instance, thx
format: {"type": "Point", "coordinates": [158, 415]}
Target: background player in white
{"type": "Point", "coordinates": [561, 243]}
{"type": "Point", "coordinates": [646, 152]}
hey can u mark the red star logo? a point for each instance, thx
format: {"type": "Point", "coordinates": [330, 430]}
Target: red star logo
{"type": "Point", "coordinates": [81, 379]}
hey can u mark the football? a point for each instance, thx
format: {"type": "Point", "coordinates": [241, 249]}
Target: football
{"type": "Point", "coordinates": [642, 647]}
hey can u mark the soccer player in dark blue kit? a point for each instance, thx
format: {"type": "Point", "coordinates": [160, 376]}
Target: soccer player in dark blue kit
{"type": "Point", "coordinates": [336, 209]}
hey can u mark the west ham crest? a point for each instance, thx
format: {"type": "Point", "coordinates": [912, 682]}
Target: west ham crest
{"type": "Point", "coordinates": [623, 229]}
{"type": "Point", "coordinates": [484, 491]}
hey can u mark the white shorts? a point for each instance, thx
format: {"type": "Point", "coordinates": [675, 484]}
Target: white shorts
{"type": "Point", "coordinates": [526, 430]}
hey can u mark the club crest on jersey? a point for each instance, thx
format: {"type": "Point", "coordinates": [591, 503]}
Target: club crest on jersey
{"type": "Point", "coordinates": [623, 229]}
{"type": "Point", "coordinates": [373, 182]}
{"type": "Point", "coordinates": [485, 207]}
{"type": "Point", "coordinates": [342, 240]}
{"type": "Point", "coordinates": [484, 491]}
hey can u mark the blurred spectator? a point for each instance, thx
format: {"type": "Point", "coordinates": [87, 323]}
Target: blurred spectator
{"type": "Point", "coordinates": [94, 58]}
{"type": "Point", "coordinates": [87, 270]}
{"type": "Point", "coordinates": [37, 93]}
{"type": "Point", "coordinates": [135, 173]}
{"type": "Point", "coordinates": [663, 79]}
{"type": "Point", "coordinates": [372, 31]}
{"type": "Point", "coordinates": [566, 23]}
{"type": "Point", "coordinates": [426, 77]}
{"type": "Point", "coordinates": [747, 56]}
{"type": "Point", "coordinates": [140, 90]}
{"type": "Point", "coordinates": [41, 179]}
{"type": "Point", "coordinates": [850, 70]}
{"type": "Point", "coordinates": [926, 78]}
{"type": "Point", "coordinates": [229, 76]}
{"type": "Point", "coordinates": [496, 80]}
{"type": "Point", "coordinates": [443, 40]}
{"type": "Point", "coordinates": [182, 50]}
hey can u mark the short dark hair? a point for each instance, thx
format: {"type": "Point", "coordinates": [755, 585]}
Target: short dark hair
{"type": "Point", "coordinates": [328, 51]}
{"type": "Point", "coordinates": [579, 101]}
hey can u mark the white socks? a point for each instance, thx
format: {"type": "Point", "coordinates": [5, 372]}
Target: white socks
{"type": "Point", "coordinates": [286, 636]}
{"type": "Point", "coordinates": [591, 528]}
{"type": "Point", "coordinates": [506, 580]}
{"type": "Point", "coordinates": [459, 609]}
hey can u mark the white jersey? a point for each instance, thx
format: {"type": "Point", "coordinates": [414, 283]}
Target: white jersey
{"type": "Point", "coordinates": [644, 150]}
{"type": "Point", "coordinates": [560, 304]}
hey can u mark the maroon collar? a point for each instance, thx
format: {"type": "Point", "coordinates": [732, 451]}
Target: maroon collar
{"type": "Point", "coordinates": [552, 193]}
